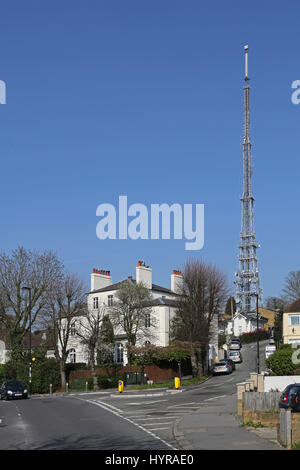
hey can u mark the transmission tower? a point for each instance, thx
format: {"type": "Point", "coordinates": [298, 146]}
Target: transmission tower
{"type": "Point", "coordinates": [247, 277]}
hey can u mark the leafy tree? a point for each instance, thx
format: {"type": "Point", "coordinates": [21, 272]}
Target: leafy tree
{"type": "Point", "coordinates": [230, 308]}
{"type": "Point", "coordinates": [278, 326]}
{"type": "Point", "coordinates": [106, 343]}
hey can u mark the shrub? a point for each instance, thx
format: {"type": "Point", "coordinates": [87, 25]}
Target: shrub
{"type": "Point", "coordinates": [106, 381]}
{"type": "Point", "coordinates": [43, 373]}
{"type": "Point", "coordinates": [257, 335]}
{"type": "Point", "coordinates": [280, 362]}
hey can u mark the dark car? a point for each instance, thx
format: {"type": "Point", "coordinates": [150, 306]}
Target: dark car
{"type": "Point", "coordinates": [229, 361]}
{"type": "Point", "coordinates": [13, 389]}
{"type": "Point", "coordinates": [290, 397]}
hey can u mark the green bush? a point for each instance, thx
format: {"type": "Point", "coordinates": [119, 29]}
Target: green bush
{"type": "Point", "coordinates": [79, 384]}
{"type": "Point", "coordinates": [43, 373]}
{"type": "Point", "coordinates": [106, 381]}
{"type": "Point", "coordinates": [280, 362]}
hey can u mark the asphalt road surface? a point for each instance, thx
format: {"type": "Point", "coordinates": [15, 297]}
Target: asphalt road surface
{"type": "Point", "coordinates": [111, 421]}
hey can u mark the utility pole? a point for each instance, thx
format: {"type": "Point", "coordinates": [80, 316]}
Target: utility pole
{"type": "Point", "coordinates": [247, 277]}
{"type": "Point", "coordinates": [30, 352]}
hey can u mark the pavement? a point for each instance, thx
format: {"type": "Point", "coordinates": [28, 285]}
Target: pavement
{"type": "Point", "coordinates": [215, 427]}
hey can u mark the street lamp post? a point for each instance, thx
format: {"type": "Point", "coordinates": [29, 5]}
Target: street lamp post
{"type": "Point", "coordinates": [30, 355]}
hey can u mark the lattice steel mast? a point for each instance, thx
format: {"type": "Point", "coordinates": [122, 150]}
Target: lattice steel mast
{"type": "Point", "coordinates": [247, 277]}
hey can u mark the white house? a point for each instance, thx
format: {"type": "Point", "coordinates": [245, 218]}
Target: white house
{"type": "Point", "coordinates": [163, 307]}
{"type": "Point", "coordinates": [243, 322]}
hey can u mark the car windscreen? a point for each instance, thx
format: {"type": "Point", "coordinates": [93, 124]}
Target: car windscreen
{"type": "Point", "coordinates": [219, 364]}
{"type": "Point", "coordinates": [14, 385]}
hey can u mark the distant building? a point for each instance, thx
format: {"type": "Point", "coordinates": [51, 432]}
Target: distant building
{"type": "Point", "coordinates": [243, 322]}
{"type": "Point", "coordinates": [37, 338]}
{"type": "Point", "coordinates": [291, 323]}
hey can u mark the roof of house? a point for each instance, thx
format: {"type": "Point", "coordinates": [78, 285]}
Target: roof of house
{"type": "Point", "coordinates": [269, 314]}
{"type": "Point", "coordinates": [250, 316]}
{"type": "Point", "coordinates": [117, 286]}
{"type": "Point", "coordinates": [164, 302]}
{"type": "Point", "coordinates": [294, 307]}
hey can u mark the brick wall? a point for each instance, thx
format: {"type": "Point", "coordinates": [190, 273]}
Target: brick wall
{"type": "Point", "coordinates": [153, 372]}
{"type": "Point", "coordinates": [295, 422]}
{"type": "Point", "coordinates": [268, 419]}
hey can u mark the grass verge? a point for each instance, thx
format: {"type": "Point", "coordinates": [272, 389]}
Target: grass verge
{"type": "Point", "coordinates": [170, 384]}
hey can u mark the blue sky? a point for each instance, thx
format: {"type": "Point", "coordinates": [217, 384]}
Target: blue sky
{"type": "Point", "coordinates": [144, 99]}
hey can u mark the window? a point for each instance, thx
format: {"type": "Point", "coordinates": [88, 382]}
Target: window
{"type": "Point", "coordinates": [95, 302]}
{"type": "Point", "coordinates": [73, 329]}
{"type": "Point", "coordinates": [119, 353]}
{"type": "Point", "coordinates": [147, 320]}
{"type": "Point", "coordinates": [72, 354]}
{"type": "Point", "coordinates": [110, 300]}
{"type": "Point", "coordinates": [294, 320]}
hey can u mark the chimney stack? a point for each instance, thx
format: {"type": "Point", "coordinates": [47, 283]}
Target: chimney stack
{"type": "Point", "coordinates": [144, 274]}
{"type": "Point", "coordinates": [100, 278]}
{"type": "Point", "coordinates": [176, 281]}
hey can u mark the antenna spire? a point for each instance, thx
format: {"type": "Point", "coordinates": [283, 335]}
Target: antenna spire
{"type": "Point", "coordinates": [246, 62]}
{"type": "Point", "coordinates": [247, 276]}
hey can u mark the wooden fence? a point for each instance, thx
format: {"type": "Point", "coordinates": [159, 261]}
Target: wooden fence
{"type": "Point", "coordinates": [261, 401]}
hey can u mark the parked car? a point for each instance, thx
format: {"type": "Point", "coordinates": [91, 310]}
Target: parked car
{"type": "Point", "coordinates": [13, 389]}
{"type": "Point", "coordinates": [222, 368]}
{"type": "Point", "coordinates": [234, 345]}
{"type": "Point", "coordinates": [290, 397]}
{"type": "Point", "coordinates": [230, 362]}
{"type": "Point", "coordinates": [237, 340]}
{"type": "Point", "coordinates": [235, 356]}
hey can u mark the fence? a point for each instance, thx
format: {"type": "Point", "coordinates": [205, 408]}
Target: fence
{"type": "Point", "coordinates": [261, 401]}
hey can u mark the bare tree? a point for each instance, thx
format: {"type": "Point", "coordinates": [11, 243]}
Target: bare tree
{"type": "Point", "coordinates": [88, 330]}
{"type": "Point", "coordinates": [202, 298]}
{"type": "Point", "coordinates": [21, 268]}
{"type": "Point", "coordinates": [65, 303]}
{"type": "Point", "coordinates": [131, 313]}
{"type": "Point", "coordinates": [291, 289]}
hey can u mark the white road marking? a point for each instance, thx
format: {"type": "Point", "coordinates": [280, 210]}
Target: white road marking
{"type": "Point", "coordinates": [148, 419]}
{"type": "Point", "coordinates": [110, 406]}
{"type": "Point", "coordinates": [145, 402]}
{"type": "Point", "coordinates": [155, 424]}
{"type": "Point", "coordinates": [159, 429]}
{"type": "Point", "coordinates": [103, 406]}
{"type": "Point", "coordinates": [215, 398]}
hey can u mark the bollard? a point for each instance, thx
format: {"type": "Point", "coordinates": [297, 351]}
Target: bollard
{"type": "Point", "coordinates": [177, 382]}
{"type": "Point", "coordinates": [50, 389]}
{"type": "Point", "coordinates": [67, 387]}
{"type": "Point", "coordinates": [120, 386]}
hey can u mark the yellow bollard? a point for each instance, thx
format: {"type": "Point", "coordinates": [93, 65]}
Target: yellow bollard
{"type": "Point", "coordinates": [177, 382]}
{"type": "Point", "coordinates": [120, 386]}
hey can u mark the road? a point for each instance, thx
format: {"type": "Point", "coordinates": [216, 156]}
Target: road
{"type": "Point", "coordinates": [113, 421]}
